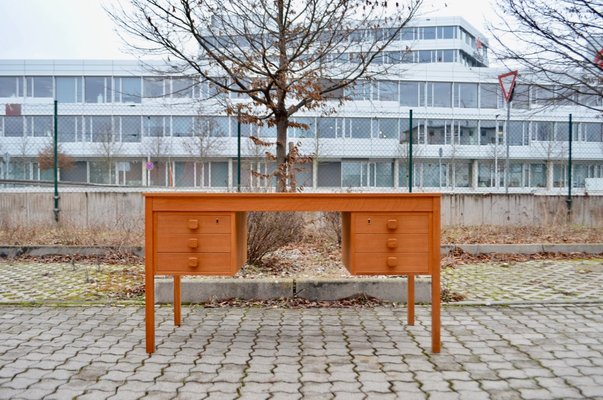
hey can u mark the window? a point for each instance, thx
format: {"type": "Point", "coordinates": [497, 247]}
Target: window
{"type": "Point", "coordinates": [42, 126]}
{"type": "Point", "coordinates": [329, 127]}
{"type": "Point", "coordinates": [9, 86]}
{"type": "Point", "coordinates": [152, 87]}
{"type": "Point", "coordinates": [184, 173]}
{"type": "Point", "coordinates": [182, 126]}
{"type": "Point", "coordinates": [69, 89]}
{"type": "Point", "coordinates": [358, 127]}
{"type": "Point", "coordinates": [466, 95]}
{"type": "Point", "coordinates": [388, 91]}
{"type": "Point", "coordinates": [485, 175]}
{"type": "Point", "coordinates": [408, 33]}
{"type": "Point", "coordinates": [218, 174]}
{"type": "Point", "coordinates": [429, 32]}
{"type": "Point", "coordinates": [100, 129]}
{"type": "Point", "coordinates": [218, 126]}
{"type": "Point", "coordinates": [67, 128]}
{"type": "Point", "coordinates": [266, 131]}
{"type": "Point", "coordinates": [153, 126]}
{"type": "Point", "coordinates": [13, 126]}
{"type": "Point", "coordinates": [97, 90]}
{"type": "Point", "coordinates": [300, 132]}
{"type": "Point", "coordinates": [385, 128]}
{"type": "Point", "coordinates": [468, 132]}
{"type": "Point", "coordinates": [489, 95]}
{"type": "Point", "coordinates": [542, 131]}
{"type": "Point", "coordinates": [361, 90]}
{"type": "Point", "coordinates": [461, 174]}
{"type": "Point", "coordinates": [488, 132]}
{"type": "Point", "coordinates": [593, 132]}
{"type": "Point", "coordinates": [366, 174]}
{"type": "Point", "coordinates": [102, 172]}
{"type": "Point", "coordinates": [521, 98]}
{"type": "Point", "coordinates": [538, 175]}
{"type": "Point", "coordinates": [182, 88]}
{"type": "Point", "coordinates": [446, 56]}
{"type": "Point", "coordinates": [446, 32]}
{"type": "Point", "coordinates": [437, 130]}
{"type": "Point", "coordinates": [128, 90]}
{"type": "Point", "coordinates": [409, 93]}
{"type": "Point", "coordinates": [424, 56]}
{"type": "Point", "coordinates": [130, 129]}
{"type": "Point", "coordinates": [39, 86]}
{"type": "Point", "coordinates": [439, 94]}
{"type": "Point", "coordinates": [329, 174]}
{"type": "Point", "coordinates": [517, 133]}
{"type": "Point", "coordinates": [77, 173]}
{"type": "Point", "coordinates": [516, 175]}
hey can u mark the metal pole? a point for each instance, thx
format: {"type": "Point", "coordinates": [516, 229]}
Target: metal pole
{"type": "Point", "coordinates": [56, 164]}
{"type": "Point", "coordinates": [239, 152]}
{"type": "Point", "coordinates": [507, 167]}
{"type": "Point", "coordinates": [410, 154]}
{"type": "Point", "coordinates": [569, 170]}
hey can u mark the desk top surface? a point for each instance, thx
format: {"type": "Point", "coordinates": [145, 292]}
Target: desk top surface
{"type": "Point", "coordinates": [373, 202]}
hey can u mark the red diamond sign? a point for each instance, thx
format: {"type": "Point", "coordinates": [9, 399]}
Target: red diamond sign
{"type": "Point", "coordinates": [507, 84]}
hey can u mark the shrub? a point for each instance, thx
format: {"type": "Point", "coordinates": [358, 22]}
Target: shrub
{"type": "Point", "coordinates": [268, 231]}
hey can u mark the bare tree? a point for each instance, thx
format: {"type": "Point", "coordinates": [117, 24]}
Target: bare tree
{"type": "Point", "coordinates": [108, 146]}
{"type": "Point", "coordinates": [558, 44]}
{"type": "Point", "coordinates": [282, 55]}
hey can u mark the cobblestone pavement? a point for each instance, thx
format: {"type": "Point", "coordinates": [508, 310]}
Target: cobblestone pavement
{"type": "Point", "coordinates": [41, 282]}
{"type": "Point", "coordinates": [512, 352]}
{"type": "Point", "coordinates": [545, 280]}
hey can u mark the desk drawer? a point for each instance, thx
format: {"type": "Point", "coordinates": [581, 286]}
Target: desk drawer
{"type": "Point", "coordinates": [391, 243]}
{"type": "Point", "coordinates": [198, 223]}
{"type": "Point", "coordinates": [390, 263]}
{"type": "Point", "coordinates": [390, 223]}
{"type": "Point", "coordinates": [194, 264]}
{"type": "Point", "coordinates": [203, 243]}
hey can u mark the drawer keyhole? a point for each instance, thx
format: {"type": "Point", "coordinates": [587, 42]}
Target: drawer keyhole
{"type": "Point", "coordinates": [369, 221]}
{"type": "Point", "coordinates": [217, 220]}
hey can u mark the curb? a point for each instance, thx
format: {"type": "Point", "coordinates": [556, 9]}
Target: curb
{"type": "Point", "coordinates": [200, 291]}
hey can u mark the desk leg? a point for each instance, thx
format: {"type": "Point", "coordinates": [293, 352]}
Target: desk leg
{"type": "Point", "coordinates": [177, 301]}
{"type": "Point", "coordinates": [410, 301]}
{"type": "Point", "coordinates": [435, 310]}
{"type": "Point", "coordinates": [150, 311]}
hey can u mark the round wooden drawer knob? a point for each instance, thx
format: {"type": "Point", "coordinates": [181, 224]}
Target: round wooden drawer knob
{"type": "Point", "coordinates": [193, 224]}
{"type": "Point", "coordinates": [392, 243]}
{"type": "Point", "coordinates": [392, 261]}
{"type": "Point", "coordinates": [193, 262]}
{"type": "Point", "coordinates": [193, 243]}
{"type": "Point", "coordinates": [392, 224]}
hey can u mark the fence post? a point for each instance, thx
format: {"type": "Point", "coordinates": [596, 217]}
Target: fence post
{"type": "Point", "coordinates": [569, 171]}
{"type": "Point", "coordinates": [239, 152]}
{"type": "Point", "coordinates": [56, 163]}
{"type": "Point", "coordinates": [410, 153]}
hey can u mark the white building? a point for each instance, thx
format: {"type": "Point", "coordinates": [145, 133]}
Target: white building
{"type": "Point", "coordinates": [125, 125]}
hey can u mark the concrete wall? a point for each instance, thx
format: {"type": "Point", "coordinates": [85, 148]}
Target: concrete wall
{"type": "Point", "coordinates": [125, 210]}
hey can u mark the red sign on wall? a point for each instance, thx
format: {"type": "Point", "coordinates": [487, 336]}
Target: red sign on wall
{"type": "Point", "coordinates": [13, 110]}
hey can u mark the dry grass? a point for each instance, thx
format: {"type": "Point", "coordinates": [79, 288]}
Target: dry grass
{"type": "Point", "coordinates": [521, 234]}
{"type": "Point", "coordinates": [125, 237]}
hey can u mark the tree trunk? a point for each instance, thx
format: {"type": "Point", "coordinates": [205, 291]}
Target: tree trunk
{"type": "Point", "coordinates": [281, 153]}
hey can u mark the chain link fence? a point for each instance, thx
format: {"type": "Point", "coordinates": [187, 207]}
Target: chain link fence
{"type": "Point", "coordinates": [152, 146]}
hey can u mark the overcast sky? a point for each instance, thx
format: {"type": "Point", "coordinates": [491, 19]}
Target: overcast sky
{"type": "Point", "coordinates": [80, 29]}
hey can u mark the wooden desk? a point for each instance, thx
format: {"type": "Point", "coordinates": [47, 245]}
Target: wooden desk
{"type": "Point", "coordinates": [206, 234]}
